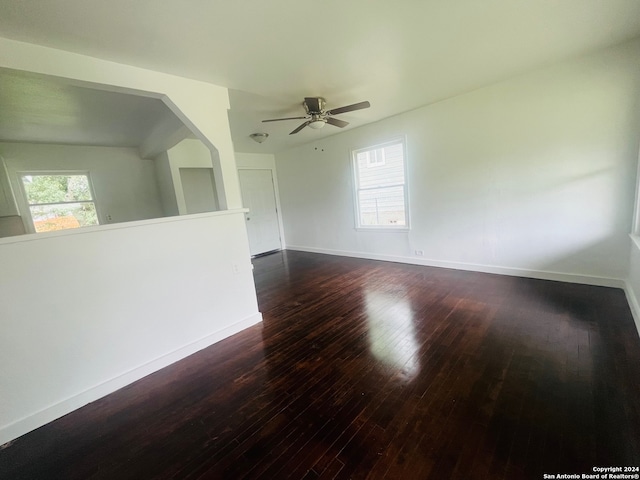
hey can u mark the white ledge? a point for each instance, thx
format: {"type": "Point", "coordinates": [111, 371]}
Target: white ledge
{"type": "Point", "coordinates": [32, 237]}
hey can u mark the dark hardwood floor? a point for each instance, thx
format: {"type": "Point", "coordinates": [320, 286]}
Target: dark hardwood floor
{"type": "Point", "coordinates": [365, 369]}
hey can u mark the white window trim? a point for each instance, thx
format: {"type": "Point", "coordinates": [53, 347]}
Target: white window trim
{"type": "Point", "coordinates": [356, 182]}
{"type": "Point", "coordinates": [636, 206]}
{"type": "Point", "coordinates": [27, 219]}
{"type": "Point", "coordinates": [635, 227]}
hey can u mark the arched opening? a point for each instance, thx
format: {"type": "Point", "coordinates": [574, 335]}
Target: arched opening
{"type": "Point", "coordinates": [125, 155]}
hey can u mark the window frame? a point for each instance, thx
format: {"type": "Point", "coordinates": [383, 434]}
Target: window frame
{"type": "Point", "coordinates": [356, 186]}
{"type": "Point", "coordinates": [378, 160]}
{"type": "Point", "coordinates": [28, 218]}
{"type": "Point", "coordinates": [635, 228]}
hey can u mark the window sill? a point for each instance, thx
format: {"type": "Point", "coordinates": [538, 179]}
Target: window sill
{"type": "Point", "coordinates": [383, 229]}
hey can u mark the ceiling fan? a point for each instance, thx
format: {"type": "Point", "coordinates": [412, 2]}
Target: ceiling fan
{"type": "Point", "coordinates": [317, 116]}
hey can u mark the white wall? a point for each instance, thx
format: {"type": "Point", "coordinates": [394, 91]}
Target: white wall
{"type": "Point", "coordinates": [83, 314]}
{"type": "Point", "coordinates": [8, 205]}
{"type": "Point", "coordinates": [190, 153]}
{"type": "Point", "coordinates": [10, 226]}
{"type": "Point", "coordinates": [166, 186]}
{"type": "Point", "coordinates": [198, 186]}
{"type": "Point", "coordinates": [125, 185]}
{"type": "Point", "coordinates": [256, 160]}
{"type": "Point", "coordinates": [535, 174]}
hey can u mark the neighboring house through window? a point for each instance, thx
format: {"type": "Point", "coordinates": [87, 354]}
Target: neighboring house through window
{"type": "Point", "coordinates": [380, 186]}
{"type": "Point", "coordinates": [60, 200]}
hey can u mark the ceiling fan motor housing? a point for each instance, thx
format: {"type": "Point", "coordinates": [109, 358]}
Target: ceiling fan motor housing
{"type": "Point", "coordinates": [314, 105]}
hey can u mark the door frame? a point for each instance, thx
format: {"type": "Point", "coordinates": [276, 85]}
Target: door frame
{"type": "Point", "coordinates": [247, 164]}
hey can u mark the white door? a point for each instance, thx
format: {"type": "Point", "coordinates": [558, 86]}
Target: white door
{"type": "Point", "coordinates": [258, 195]}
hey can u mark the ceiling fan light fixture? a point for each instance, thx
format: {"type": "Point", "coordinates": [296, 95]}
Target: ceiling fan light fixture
{"type": "Point", "coordinates": [259, 137]}
{"type": "Point", "coordinates": [317, 123]}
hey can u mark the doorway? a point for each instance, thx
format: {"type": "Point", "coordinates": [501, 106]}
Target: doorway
{"type": "Point", "coordinates": [258, 195]}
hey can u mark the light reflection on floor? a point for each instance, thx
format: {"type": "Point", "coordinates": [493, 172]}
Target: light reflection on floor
{"type": "Point", "coordinates": [392, 333]}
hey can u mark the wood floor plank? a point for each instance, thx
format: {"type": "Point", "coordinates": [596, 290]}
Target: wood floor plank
{"type": "Point", "coordinates": [365, 369]}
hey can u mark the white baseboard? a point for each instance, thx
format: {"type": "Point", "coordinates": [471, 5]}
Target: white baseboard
{"type": "Point", "coordinates": [37, 419]}
{"type": "Point", "coordinates": [633, 304]}
{"type": "Point", "coordinates": [514, 272]}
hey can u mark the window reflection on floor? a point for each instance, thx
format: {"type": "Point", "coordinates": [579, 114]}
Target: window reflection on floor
{"type": "Point", "coordinates": [392, 333]}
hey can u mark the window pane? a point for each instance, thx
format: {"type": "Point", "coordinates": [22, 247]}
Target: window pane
{"type": "Point", "coordinates": [47, 218]}
{"type": "Point", "coordinates": [56, 188]}
{"type": "Point", "coordinates": [382, 206]}
{"type": "Point", "coordinates": [363, 157]}
{"type": "Point", "coordinates": [382, 167]}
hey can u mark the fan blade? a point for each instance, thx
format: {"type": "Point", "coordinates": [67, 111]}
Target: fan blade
{"type": "Point", "coordinates": [349, 108]}
{"type": "Point", "coordinates": [300, 128]}
{"type": "Point", "coordinates": [336, 122]}
{"type": "Point", "coordinates": [280, 119]}
{"type": "Point", "coordinates": [313, 103]}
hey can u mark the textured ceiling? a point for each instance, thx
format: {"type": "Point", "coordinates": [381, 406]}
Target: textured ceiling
{"type": "Point", "coordinates": [37, 109]}
{"type": "Point", "coordinates": [398, 55]}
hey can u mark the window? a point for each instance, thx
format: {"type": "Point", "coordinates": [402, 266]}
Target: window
{"type": "Point", "coordinates": [373, 158]}
{"type": "Point", "coordinates": [59, 201]}
{"type": "Point", "coordinates": [380, 186]}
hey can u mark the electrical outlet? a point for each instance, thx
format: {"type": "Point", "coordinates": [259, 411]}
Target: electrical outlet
{"type": "Point", "coordinates": [419, 253]}
{"type": "Point", "coordinates": [109, 218]}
